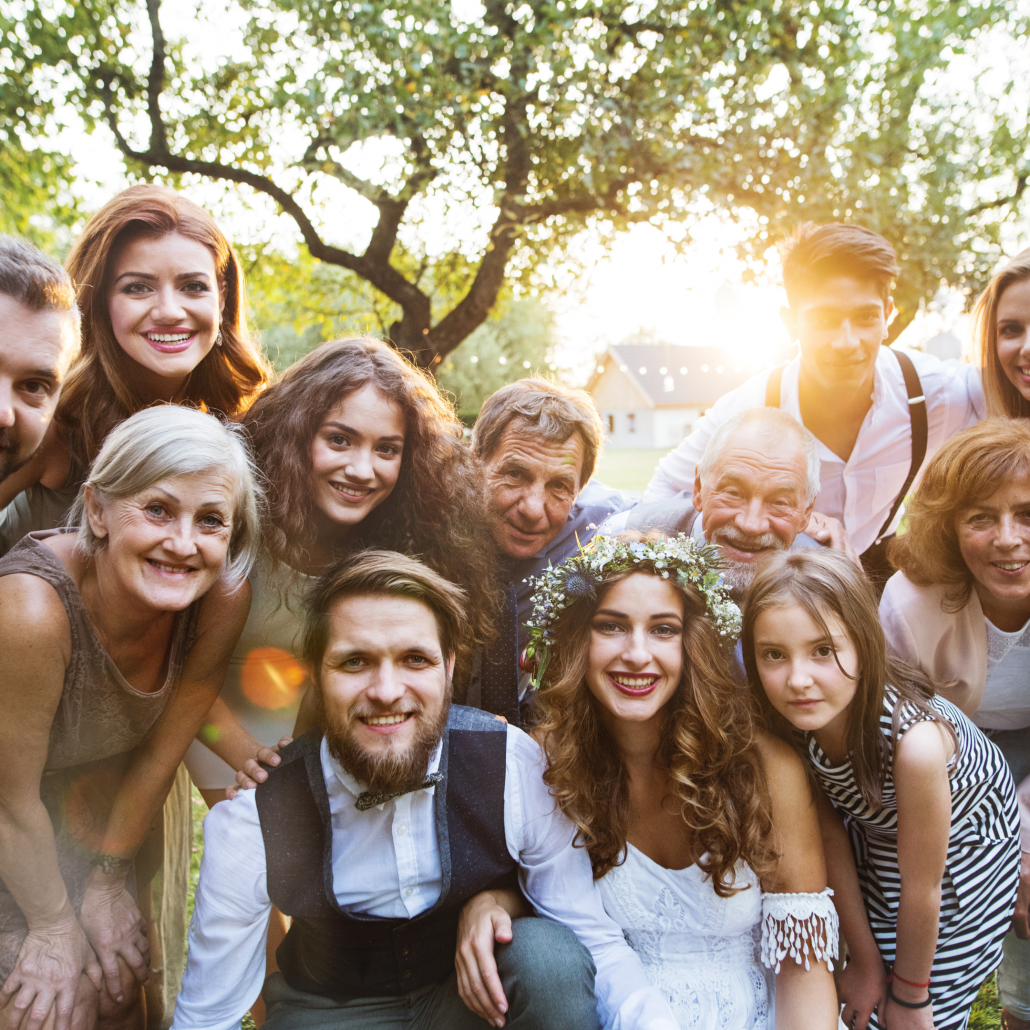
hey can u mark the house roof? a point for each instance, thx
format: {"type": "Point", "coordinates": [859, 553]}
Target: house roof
{"type": "Point", "coordinates": [671, 375]}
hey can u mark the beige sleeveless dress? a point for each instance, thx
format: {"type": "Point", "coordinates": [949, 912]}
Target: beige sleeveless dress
{"type": "Point", "coordinates": [99, 721]}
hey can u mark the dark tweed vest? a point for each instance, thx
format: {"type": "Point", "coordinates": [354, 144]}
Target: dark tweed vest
{"type": "Point", "coordinates": [331, 953]}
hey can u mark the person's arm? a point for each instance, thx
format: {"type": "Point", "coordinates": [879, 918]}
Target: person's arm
{"type": "Point", "coordinates": [35, 648]}
{"type": "Point", "coordinates": [485, 918]}
{"type": "Point", "coordinates": [558, 881]}
{"type": "Point", "coordinates": [222, 734]}
{"type": "Point", "coordinates": [861, 984]}
{"type": "Point", "coordinates": [924, 825]}
{"type": "Point", "coordinates": [109, 915]}
{"type": "Point", "coordinates": [805, 995]}
{"type": "Point", "coordinates": [1021, 918]}
{"type": "Point", "coordinates": [226, 962]}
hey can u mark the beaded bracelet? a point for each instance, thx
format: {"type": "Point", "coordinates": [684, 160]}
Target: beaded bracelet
{"type": "Point", "coordinates": [907, 1004]}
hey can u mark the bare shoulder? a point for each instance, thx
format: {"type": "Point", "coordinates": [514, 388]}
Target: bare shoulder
{"type": "Point", "coordinates": [784, 769]}
{"type": "Point", "coordinates": [923, 750]}
{"type": "Point", "coordinates": [31, 615]}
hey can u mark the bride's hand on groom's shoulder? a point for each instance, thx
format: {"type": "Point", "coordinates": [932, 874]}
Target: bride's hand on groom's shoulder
{"type": "Point", "coordinates": [485, 918]}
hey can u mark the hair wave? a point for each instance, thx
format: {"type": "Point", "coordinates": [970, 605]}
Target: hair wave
{"type": "Point", "coordinates": [707, 746]}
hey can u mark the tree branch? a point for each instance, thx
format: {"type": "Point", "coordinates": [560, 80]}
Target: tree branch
{"type": "Point", "coordinates": [1021, 184]}
{"type": "Point", "coordinates": [156, 79]}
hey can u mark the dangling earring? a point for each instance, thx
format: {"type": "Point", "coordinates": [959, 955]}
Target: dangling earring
{"type": "Point", "coordinates": [218, 339]}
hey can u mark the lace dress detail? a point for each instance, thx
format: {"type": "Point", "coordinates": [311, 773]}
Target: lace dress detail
{"type": "Point", "coordinates": [705, 953]}
{"type": "Point", "coordinates": [803, 926]}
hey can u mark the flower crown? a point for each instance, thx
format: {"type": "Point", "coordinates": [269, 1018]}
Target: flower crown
{"type": "Point", "coordinates": [692, 564]}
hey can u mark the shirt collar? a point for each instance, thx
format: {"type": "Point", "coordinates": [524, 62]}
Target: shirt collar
{"type": "Point", "coordinates": [353, 786]}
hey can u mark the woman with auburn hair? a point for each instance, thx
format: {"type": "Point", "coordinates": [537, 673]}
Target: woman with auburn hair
{"type": "Point", "coordinates": [959, 610]}
{"type": "Point", "coordinates": [701, 829]}
{"type": "Point", "coordinates": [162, 298]}
{"type": "Point", "coordinates": [1002, 332]}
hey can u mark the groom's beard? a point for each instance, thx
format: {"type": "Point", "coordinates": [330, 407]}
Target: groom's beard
{"type": "Point", "coordinates": [388, 767]}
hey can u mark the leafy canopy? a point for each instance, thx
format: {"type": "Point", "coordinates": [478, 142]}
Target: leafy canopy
{"type": "Point", "coordinates": [480, 142]}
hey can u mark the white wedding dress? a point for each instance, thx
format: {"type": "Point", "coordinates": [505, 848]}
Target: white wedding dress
{"type": "Point", "coordinates": [714, 958]}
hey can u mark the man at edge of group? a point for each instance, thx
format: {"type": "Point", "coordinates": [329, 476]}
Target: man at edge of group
{"type": "Point", "coordinates": [39, 338]}
{"type": "Point", "coordinates": [379, 825]}
{"type": "Point", "coordinates": [877, 412]}
{"type": "Point", "coordinates": [538, 442]}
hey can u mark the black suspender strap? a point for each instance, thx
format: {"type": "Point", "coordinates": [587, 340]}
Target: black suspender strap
{"type": "Point", "coordinates": [917, 417]}
{"type": "Point", "coordinates": [772, 386]}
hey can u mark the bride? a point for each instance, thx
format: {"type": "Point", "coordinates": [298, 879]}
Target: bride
{"type": "Point", "coordinates": [701, 829]}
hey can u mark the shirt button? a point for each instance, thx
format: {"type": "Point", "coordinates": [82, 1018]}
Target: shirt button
{"type": "Point", "coordinates": [408, 891]}
{"type": "Point", "coordinates": [405, 950]}
{"type": "Point", "coordinates": [401, 830]}
{"type": "Point", "coordinates": [406, 975]}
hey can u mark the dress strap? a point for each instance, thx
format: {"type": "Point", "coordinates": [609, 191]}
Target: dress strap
{"type": "Point", "coordinates": [803, 926]}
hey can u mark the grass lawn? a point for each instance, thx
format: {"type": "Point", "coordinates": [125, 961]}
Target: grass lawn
{"type": "Point", "coordinates": [986, 1012]}
{"type": "Point", "coordinates": [630, 469]}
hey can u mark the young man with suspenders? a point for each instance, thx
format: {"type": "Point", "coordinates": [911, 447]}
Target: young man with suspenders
{"type": "Point", "coordinates": [878, 413]}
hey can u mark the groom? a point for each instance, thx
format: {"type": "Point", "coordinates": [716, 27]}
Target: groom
{"type": "Point", "coordinates": [376, 829]}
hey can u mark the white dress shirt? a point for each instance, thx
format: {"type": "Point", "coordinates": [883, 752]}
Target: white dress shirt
{"type": "Point", "coordinates": [860, 491]}
{"type": "Point", "coordinates": [386, 862]}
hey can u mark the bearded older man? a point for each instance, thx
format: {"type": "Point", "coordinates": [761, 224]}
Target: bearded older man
{"type": "Point", "coordinates": [375, 830]}
{"type": "Point", "coordinates": [754, 491]}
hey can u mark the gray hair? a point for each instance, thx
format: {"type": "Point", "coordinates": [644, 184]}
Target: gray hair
{"type": "Point", "coordinates": [166, 441]}
{"type": "Point", "coordinates": [32, 278]}
{"type": "Point", "coordinates": [778, 425]}
{"type": "Point", "coordinates": [541, 407]}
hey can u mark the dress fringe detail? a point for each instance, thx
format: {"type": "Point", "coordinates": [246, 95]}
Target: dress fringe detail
{"type": "Point", "coordinates": [803, 926]}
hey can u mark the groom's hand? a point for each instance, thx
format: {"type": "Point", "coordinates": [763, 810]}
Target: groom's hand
{"type": "Point", "coordinates": [483, 920]}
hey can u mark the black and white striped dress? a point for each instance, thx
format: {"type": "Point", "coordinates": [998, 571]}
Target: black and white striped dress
{"type": "Point", "coordinates": [982, 871]}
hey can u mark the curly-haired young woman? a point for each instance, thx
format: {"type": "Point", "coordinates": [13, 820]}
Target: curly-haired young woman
{"type": "Point", "coordinates": [701, 830]}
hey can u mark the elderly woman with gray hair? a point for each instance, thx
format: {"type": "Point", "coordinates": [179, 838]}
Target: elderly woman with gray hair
{"type": "Point", "coordinates": [114, 642]}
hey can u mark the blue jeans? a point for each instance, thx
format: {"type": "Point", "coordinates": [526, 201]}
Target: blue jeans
{"type": "Point", "coordinates": [547, 975]}
{"type": "Point", "coordinates": [1014, 972]}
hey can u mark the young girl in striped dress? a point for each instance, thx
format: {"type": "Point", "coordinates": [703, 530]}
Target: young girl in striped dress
{"type": "Point", "coordinates": [928, 801]}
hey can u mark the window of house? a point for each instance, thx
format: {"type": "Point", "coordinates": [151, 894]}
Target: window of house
{"type": "Point", "coordinates": [611, 423]}
{"type": "Point", "coordinates": [632, 422]}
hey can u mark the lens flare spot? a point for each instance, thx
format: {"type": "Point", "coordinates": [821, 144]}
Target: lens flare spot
{"type": "Point", "coordinates": [210, 733]}
{"type": "Point", "coordinates": [271, 678]}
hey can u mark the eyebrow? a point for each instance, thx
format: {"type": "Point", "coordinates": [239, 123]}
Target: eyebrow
{"type": "Point", "coordinates": [612, 613]}
{"type": "Point", "coordinates": [42, 373]}
{"type": "Point", "coordinates": [357, 432]}
{"type": "Point", "coordinates": [148, 275]}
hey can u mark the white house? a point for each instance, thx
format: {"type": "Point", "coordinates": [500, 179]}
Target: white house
{"type": "Point", "coordinates": [651, 394]}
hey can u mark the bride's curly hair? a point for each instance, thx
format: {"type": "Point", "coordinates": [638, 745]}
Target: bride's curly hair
{"type": "Point", "coordinates": [707, 746]}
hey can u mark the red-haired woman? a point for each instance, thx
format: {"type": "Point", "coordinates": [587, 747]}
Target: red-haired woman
{"type": "Point", "coordinates": [162, 299]}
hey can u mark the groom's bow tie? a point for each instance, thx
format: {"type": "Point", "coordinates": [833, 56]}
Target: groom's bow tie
{"type": "Point", "coordinates": [372, 798]}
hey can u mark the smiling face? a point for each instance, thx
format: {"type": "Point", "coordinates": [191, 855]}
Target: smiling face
{"type": "Point", "coordinates": [355, 459]}
{"type": "Point", "coordinates": [799, 670]}
{"type": "Point", "coordinates": [165, 303]}
{"type": "Point", "coordinates": [36, 348]}
{"type": "Point", "coordinates": [754, 499]}
{"type": "Point", "coordinates": [994, 539]}
{"type": "Point", "coordinates": [165, 546]}
{"type": "Point", "coordinates": [839, 325]}
{"type": "Point", "coordinates": [636, 648]}
{"type": "Point", "coordinates": [384, 688]}
{"type": "Point", "coordinates": [1013, 324]}
{"type": "Point", "coordinates": [532, 484]}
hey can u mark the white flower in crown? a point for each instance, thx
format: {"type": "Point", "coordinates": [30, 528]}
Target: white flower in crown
{"type": "Point", "coordinates": [691, 563]}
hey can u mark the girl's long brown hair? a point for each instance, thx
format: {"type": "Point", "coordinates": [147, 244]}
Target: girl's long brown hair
{"type": "Point", "coordinates": [97, 394]}
{"type": "Point", "coordinates": [434, 512]}
{"type": "Point", "coordinates": [1002, 397]}
{"type": "Point", "coordinates": [707, 745]}
{"type": "Point", "coordinates": [826, 583]}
